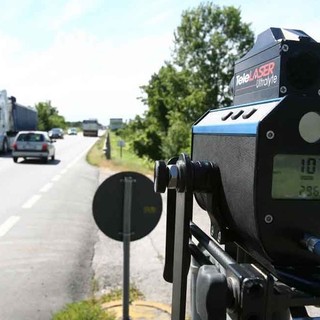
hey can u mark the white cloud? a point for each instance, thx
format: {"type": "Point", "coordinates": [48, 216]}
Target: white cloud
{"type": "Point", "coordinates": [84, 76]}
{"type": "Point", "coordinates": [8, 46]}
{"type": "Point", "coordinates": [90, 76]}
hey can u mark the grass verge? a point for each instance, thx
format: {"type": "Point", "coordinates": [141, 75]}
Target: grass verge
{"type": "Point", "coordinates": [91, 309]}
{"type": "Point", "coordinates": [83, 310]}
{"type": "Point", "coordinates": [122, 159]}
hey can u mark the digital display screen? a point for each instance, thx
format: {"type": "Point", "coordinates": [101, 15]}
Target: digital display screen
{"type": "Point", "coordinates": [296, 177]}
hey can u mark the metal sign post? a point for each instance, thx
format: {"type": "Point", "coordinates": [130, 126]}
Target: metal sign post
{"type": "Point", "coordinates": [121, 144]}
{"type": "Point", "coordinates": [126, 246]}
{"type": "Point", "coordinates": [107, 148]}
{"type": "Point", "coordinates": [126, 214]}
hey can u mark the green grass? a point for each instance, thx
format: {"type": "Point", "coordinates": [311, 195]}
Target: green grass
{"type": "Point", "coordinates": [121, 160]}
{"type": "Point", "coordinates": [83, 310]}
{"type": "Point", "coordinates": [95, 156]}
{"type": "Point", "coordinates": [91, 309]}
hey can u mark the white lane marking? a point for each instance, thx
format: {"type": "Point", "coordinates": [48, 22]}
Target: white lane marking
{"type": "Point", "coordinates": [49, 185]}
{"type": "Point", "coordinates": [31, 201]}
{"type": "Point", "coordinates": [46, 187]}
{"type": "Point", "coordinates": [8, 224]}
{"type": "Point", "coordinates": [56, 178]}
{"type": "Point", "coordinates": [79, 157]}
{"type": "Point", "coordinates": [69, 165]}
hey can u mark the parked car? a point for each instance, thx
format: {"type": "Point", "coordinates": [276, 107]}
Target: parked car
{"type": "Point", "coordinates": [56, 133]}
{"type": "Point", "coordinates": [33, 144]}
{"type": "Point", "coordinates": [72, 131]}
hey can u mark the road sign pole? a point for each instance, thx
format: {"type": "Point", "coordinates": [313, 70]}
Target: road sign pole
{"type": "Point", "coordinates": [126, 246]}
{"type": "Point", "coordinates": [122, 199]}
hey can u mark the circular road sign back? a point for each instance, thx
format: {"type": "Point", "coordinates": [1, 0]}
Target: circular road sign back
{"type": "Point", "coordinates": [107, 207]}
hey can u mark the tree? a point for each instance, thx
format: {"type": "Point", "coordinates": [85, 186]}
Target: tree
{"type": "Point", "coordinates": [165, 92]}
{"type": "Point", "coordinates": [143, 137]}
{"type": "Point", "coordinates": [48, 117]}
{"type": "Point", "coordinates": [178, 137]}
{"type": "Point", "coordinates": [206, 44]}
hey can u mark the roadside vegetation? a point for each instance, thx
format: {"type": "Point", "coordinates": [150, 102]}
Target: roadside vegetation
{"type": "Point", "coordinates": [49, 117]}
{"type": "Point", "coordinates": [84, 310]}
{"type": "Point", "coordinates": [122, 158]}
{"type": "Point", "coordinates": [92, 309]}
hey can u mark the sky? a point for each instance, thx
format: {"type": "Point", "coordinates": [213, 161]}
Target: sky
{"type": "Point", "coordinates": [90, 57]}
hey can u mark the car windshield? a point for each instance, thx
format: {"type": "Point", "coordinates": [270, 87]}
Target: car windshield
{"type": "Point", "coordinates": [31, 137]}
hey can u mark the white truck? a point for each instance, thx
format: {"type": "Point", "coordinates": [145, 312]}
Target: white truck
{"type": "Point", "coordinates": [90, 127]}
{"type": "Point", "coordinates": [14, 117]}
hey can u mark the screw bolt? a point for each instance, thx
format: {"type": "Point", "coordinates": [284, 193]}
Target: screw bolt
{"type": "Point", "coordinates": [285, 48]}
{"type": "Point", "coordinates": [268, 218]}
{"type": "Point", "coordinates": [283, 89]}
{"type": "Point", "coordinates": [270, 135]}
{"type": "Point", "coordinates": [173, 176]}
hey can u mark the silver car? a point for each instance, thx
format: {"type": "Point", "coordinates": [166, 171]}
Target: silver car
{"type": "Point", "coordinates": [33, 144]}
{"type": "Point", "coordinates": [72, 131]}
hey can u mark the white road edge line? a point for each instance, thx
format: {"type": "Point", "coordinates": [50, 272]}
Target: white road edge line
{"type": "Point", "coordinates": [56, 178]}
{"type": "Point", "coordinates": [46, 187]}
{"type": "Point", "coordinates": [8, 224]}
{"type": "Point", "coordinates": [78, 158]}
{"type": "Point", "coordinates": [49, 185]}
{"type": "Point", "coordinates": [31, 201]}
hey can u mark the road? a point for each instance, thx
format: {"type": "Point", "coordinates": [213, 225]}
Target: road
{"type": "Point", "coordinates": [47, 233]}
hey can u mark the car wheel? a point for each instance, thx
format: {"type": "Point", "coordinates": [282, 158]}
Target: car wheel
{"type": "Point", "coordinates": [44, 159]}
{"type": "Point", "coordinates": [52, 157]}
{"type": "Point", "coordinates": [15, 159]}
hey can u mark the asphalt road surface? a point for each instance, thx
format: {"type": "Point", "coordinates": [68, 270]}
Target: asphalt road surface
{"type": "Point", "coordinates": [47, 233]}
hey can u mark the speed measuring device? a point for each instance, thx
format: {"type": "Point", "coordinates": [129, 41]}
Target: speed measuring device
{"type": "Point", "coordinates": [268, 154]}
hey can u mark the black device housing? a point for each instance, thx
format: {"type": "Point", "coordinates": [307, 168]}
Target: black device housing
{"type": "Point", "coordinates": [237, 139]}
{"type": "Point", "coordinates": [245, 160]}
{"type": "Point", "coordinates": [232, 175]}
